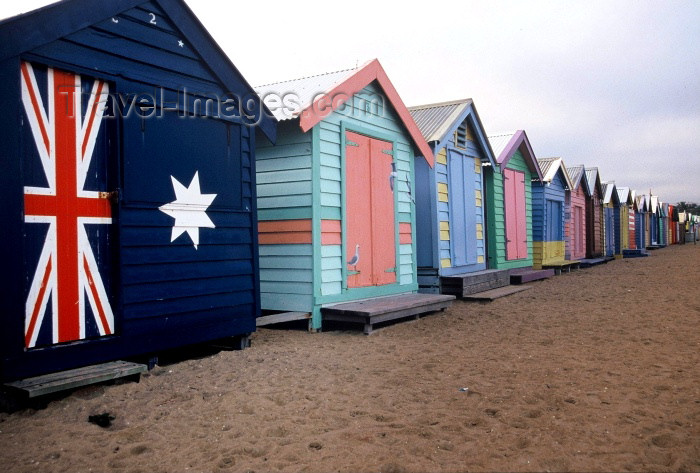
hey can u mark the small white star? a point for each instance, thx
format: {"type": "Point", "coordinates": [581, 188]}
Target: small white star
{"type": "Point", "coordinates": [189, 209]}
{"type": "Point", "coordinates": [181, 43]}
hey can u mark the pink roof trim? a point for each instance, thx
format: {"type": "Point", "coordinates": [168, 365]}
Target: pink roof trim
{"type": "Point", "coordinates": [366, 74]}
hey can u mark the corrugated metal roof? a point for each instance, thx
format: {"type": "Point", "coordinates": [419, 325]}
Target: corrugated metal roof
{"type": "Point", "coordinates": [499, 143]}
{"type": "Point", "coordinates": [575, 174]}
{"type": "Point", "coordinates": [434, 120]}
{"type": "Point", "coordinates": [591, 175]}
{"type": "Point", "coordinates": [608, 188]}
{"type": "Point", "coordinates": [303, 91]}
{"type": "Point", "coordinates": [549, 167]}
{"type": "Point", "coordinates": [640, 202]}
{"type": "Point", "coordinates": [623, 193]}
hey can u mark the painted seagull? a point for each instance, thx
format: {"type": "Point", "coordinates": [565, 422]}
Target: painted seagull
{"type": "Point", "coordinates": [408, 185]}
{"type": "Point", "coordinates": [356, 257]}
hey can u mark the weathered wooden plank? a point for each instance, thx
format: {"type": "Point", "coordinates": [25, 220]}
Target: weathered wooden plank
{"type": "Point", "coordinates": [64, 380]}
{"type": "Point", "coordinates": [383, 309]}
{"type": "Point", "coordinates": [523, 275]}
{"type": "Point", "coordinates": [496, 293]}
{"type": "Point", "coordinates": [281, 317]}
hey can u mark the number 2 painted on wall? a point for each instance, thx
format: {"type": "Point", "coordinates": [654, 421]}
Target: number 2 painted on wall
{"type": "Point", "coordinates": [153, 18]}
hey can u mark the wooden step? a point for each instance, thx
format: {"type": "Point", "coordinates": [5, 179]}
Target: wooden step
{"type": "Point", "coordinates": [69, 379]}
{"type": "Point", "coordinates": [634, 253]}
{"type": "Point", "coordinates": [370, 312]}
{"type": "Point", "coordinates": [588, 262]}
{"type": "Point", "coordinates": [523, 275]}
{"type": "Point", "coordinates": [462, 285]}
{"type": "Point", "coordinates": [496, 293]}
{"type": "Point", "coordinates": [562, 266]}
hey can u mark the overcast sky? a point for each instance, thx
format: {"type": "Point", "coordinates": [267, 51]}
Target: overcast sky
{"type": "Point", "coordinates": [611, 84]}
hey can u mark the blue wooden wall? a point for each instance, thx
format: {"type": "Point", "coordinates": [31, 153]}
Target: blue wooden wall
{"type": "Point", "coordinates": [164, 294]}
{"type": "Point", "coordinates": [450, 207]}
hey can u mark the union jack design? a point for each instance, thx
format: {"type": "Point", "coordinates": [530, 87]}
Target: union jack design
{"type": "Point", "coordinates": [67, 273]}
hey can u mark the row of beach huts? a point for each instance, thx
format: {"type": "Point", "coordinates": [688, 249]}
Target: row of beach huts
{"type": "Point", "coordinates": [153, 199]}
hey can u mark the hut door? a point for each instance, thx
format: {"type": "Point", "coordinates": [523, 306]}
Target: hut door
{"type": "Point", "coordinates": [555, 229]}
{"type": "Point", "coordinates": [68, 233]}
{"type": "Point", "coordinates": [370, 227]}
{"type": "Point", "coordinates": [578, 230]}
{"type": "Point", "coordinates": [462, 209]}
{"type": "Point", "coordinates": [516, 220]}
{"type": "Point", "coordinates": [609, 231]}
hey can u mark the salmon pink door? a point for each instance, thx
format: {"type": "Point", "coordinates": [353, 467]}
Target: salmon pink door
{"type": "Point", "coordinates": [516, 220]}
{"type": "Point", "coordinates": [370, 224]}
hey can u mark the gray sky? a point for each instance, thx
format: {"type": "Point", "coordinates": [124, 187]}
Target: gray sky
{"type": "Point", "coordinates": [611, 84]}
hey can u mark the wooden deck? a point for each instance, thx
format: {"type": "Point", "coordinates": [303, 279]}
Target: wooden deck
{"type": "Point", "coordinates": [492, 294]}
{"type": "Point", "coordinates": [383, 309]}
{"type": "Point", "coordinates": [563, 266]}
{"type": "Point", "coordinates": [64, 380]}
{"type": "Point", "coordinates": [523, 275]}
{"type": "Point", "coordinates": [462, 285]}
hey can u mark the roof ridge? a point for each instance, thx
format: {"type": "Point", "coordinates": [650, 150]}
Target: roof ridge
{"type": "Point", "coordinates": [439, 104]}
{"type": "Point", "coordinates": [307, 77]}
{"type": "Point", "coordinates": [502, 133]}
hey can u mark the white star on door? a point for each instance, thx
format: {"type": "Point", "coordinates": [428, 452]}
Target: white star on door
{"type": "Point", "coordinates": [189, 209]}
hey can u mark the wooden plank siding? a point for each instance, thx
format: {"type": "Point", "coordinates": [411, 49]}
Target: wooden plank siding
{"type": "Point", "coordinates": [496, 216]}
{"type": "Point", "coordinates": [284, 195]}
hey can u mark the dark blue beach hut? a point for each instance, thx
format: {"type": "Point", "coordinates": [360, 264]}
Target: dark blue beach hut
{"type": "Point", "coordinates": [128, 216]}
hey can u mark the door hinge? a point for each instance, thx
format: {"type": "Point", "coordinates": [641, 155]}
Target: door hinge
{"type": "Point", "coordinates": [352, 273]}
{"type": "Point", "coordinates": [113, 196]}
{"type": "Point", "coordinates": [390, 270]}
{"type": "Point", "coordinates": [390, 152]}
{"type": "Point", "coordinates": [351, 143]}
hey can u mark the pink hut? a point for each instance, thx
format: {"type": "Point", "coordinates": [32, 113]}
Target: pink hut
{"type": "Point", "coordinates": [575, 225]}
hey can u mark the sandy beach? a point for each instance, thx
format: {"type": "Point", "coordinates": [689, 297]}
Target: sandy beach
{"type": "Point", "coordinates": [596, 370]}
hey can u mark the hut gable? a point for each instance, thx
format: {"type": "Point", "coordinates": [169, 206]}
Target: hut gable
{"type": "Point", "coordinates": [509, 145]}
{"type": "Point", "coordinates": [456, 124]}
{"type": "Point", "coordinates": [312, 99]}
{"type": "Point", "coordinates": [159, 45]}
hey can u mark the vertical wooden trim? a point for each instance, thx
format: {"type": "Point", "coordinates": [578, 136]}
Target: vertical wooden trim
{"type": "Point", "coordinates": [343, 207]}
{"type": "Point", "coordinates": [253, 212]}
{"type": "Point", "coordinates": [316, 319]}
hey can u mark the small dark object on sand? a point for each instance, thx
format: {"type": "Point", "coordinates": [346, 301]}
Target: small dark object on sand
{"type": "Point", "coordinates": [103, 420]}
